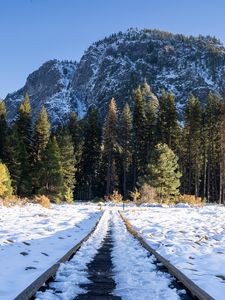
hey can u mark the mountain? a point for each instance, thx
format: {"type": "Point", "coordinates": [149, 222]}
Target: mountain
{"type": "Point", "coordinates": [114, 66]}
{"type": "Point", "coordinates": [50, 85]}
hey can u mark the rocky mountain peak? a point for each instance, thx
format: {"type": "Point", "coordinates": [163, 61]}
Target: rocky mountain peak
{"type": "Point", "coordinates": [115, 65]}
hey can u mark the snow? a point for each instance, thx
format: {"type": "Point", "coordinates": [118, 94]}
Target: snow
{"type": "Point", "coordinates": [73, 273]}
{"type": "Point", "coordinates": [191, 238]}
{"type": "Point", "coordinates": [33, 238]}
{"type": "Point", "coordinates": [135, 272]}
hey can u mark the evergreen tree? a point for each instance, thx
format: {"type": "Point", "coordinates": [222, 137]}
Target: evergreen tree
{"type": "Point", "coordinates": [222, 153]}
{"type": "Point", "coordinates": [126, 144]}
{"type": "Point", "coordinates": [167, 120]}
{"type": "Point", "coordinates": [41, 139]}
{"type": "Point", "coordinates": [24, 125]}
{"type": "Point", "coordinates": [212, 141]}
{"type": "Point", "coordinates": [151, 112]}
{"type": "Point", "coordinates": [74, 130]}
{"type": "Point", "coordinates": [3, 128]}
{"type": "Point", "coordinates": [68, 164]}
{"type": "Point", "coordinates": [111, 146]}
{"type": "Point", "coordinates": [5, 182]}
{"type": "Point", "coordinates": [12, 151]}
{"type": "Point", "coordinates": [51, 171]}
{"type": "Point", "coordinates": [139, 136]}
{"type": "Point", "coordinates": [163, 172]}
{"type": "Point", "coordinates": [193, 145]}
{"type": "Point", "coordinates": [91, 154]}
{"type": "Point", "coordinates": [42, 134]}
{"type": "Point", "coordinates": [151, 126]}
{"type": "Point", "coordinates": [24, 186]}
{"type": "Point", "coordinates": [24, 130]}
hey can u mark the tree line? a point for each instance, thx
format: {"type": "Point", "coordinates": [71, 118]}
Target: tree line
{"type": "Point", "coordinates": [142, 144]}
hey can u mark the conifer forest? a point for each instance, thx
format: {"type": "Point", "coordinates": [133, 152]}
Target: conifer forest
{"type": "Point", "coordinates": [144, 147]}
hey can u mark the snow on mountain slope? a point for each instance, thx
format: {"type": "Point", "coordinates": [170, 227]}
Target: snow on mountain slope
{"type": "Point", "coordinates": [50, 85]}
{"type": "Point", "coordinates": [114, 66]}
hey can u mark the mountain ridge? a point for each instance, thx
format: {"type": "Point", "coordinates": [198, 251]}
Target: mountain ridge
{"type": "Point", "coordinates": [115, 65]}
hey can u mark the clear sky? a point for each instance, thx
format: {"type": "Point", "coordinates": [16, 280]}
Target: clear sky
{"type": "Point", "coordinates": [34, 31]}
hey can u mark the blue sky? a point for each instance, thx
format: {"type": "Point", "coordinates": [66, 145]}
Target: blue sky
{"type": "Point", "coordinates": [33, 31]}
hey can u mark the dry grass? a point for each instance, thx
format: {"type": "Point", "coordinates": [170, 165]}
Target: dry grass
{"type": "Point", "coordinates": [13, 200]}
{"type": "Point", "coordinates": [115, 197]}
{"type": "Point", "coordinates": [42, 200]}
{"type": "Point", "coordinates": [189, 199]}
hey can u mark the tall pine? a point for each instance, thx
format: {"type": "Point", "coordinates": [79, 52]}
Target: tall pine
{"type": "Point", "coordinates": [111, 146]}
{"type": "Point", "coordinates": [126, 145]}
{"type": "Point", "coordinates": [168, 125]}
{"type": "Point", "coordinates": [41, 139]}
{"type": "Point", "coordinates": [24, 129]}
{"type": "Point", "coordinates": [67, 159]}
{"type": "Point", "coordinates": [193, 155]}
{"type": "Point", "coordinates": [91, 154]}
{"type": "Point", "coordinates": [51, 171]}
{"type": "Point", "coordinates": [11, 157]}
{"type": "Point", "coordinates": [139, 136]}
{"type": "Point", "coordinates": [41, 134]}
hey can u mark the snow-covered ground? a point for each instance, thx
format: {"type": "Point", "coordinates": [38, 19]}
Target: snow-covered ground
{"type": "Point", "coordinates": [135, 272]}
{"type": "Point", "coordinates": [136, 275]}
{"type": "Point", "coordinates": [33, 238]}
{"type": "Point", "coordinates": [73, 273]}
{"type": "Point", "coordinates": [192, 238]}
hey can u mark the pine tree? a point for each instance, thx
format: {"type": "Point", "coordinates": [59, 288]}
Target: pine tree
{"type": "Point", "coordinates": [3, 128]}
{"type": "Point", "coordinates": [222, 153]}
{"type": "Point", "coordinates": [42, 134]}
{"type": "Point", "coordinates": [139, 136]}
{"type": "Point", "coordinates": [24, 125]}
{"type": "Point", "coordinates": [5, 182]}
{"type": "Point", "coordinates": [91, 154]}
{"type": "Point", "coordinates": [212, 139]}
{"type": "Point", "coordinates": [24, 130]}
{"type": "Point", "coordinates": [167, 120]}
{"type": "Point", "coordinates": [151, 112]}
{"type": "Point", "coordinates": [68, 164]}
{"type": "Point", "coordinates": [163, 172]}
{"type": "Point", "coordinates": [193, 145]}
{"type": "Point", "coordinates": [51, 171]}
{"type": "Point", "coordinates": [11, 158]}
{"type": "Point", "coordinates": [24, 186]}
{"type": "Point", "coordinates": [126, 144]}
{"type": "Point", "coordinates": [41, 139]}
{"type": "Point", "coordinates": [111, 146]}
{"type": "Point", "coordinates": [74, 130]}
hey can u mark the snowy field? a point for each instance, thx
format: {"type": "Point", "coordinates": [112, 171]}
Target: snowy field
{"type": "Point", "coordinates": [193, 239]}
{"type": "Point", "coordinates": [135, 272]}
{"type": "Point", "coordinates": [33, 238]}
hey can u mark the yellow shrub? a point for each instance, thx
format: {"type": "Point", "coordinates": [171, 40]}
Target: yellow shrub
{"type": "Point", "coordinates": [42, 200]}
{"type": "Point", "coordinates": [190, 199]}
{"type": "Point", "coordinates": [114, 197]}
{"type": "Point", "coordinates": [13, 200]}
{"type": "Point", "coordinates": [135, 195]}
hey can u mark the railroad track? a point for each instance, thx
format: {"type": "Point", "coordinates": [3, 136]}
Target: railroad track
{"type": "Point", "coordinates": [100, 270]}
